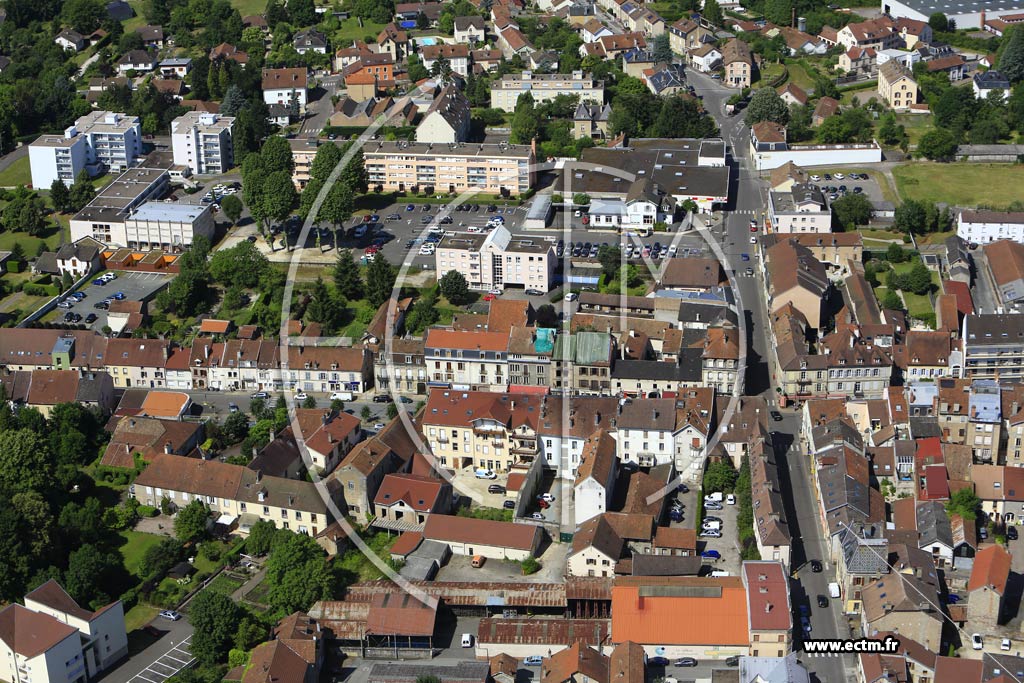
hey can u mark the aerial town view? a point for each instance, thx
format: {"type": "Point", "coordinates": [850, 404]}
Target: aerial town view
{"type": "Point", "coordinates": [511, 341]}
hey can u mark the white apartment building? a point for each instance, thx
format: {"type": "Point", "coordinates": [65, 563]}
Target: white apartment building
{"type": "Point", "coordinates": [545, 87]}
{"type": "Point", "coordinates": [450, 167]}
{"type": "Point", "coordinates": [802, 209]}
{"type": "Point", "coordinates": [202, 142]}
{"type": "Point", "coordinates": [497, 260]}
{"type": "Point", "coordinates": [104, 217]}
{"type": "Point", "coordinates": [980, 227]}
{"type": "Point", "coordinates": [646, 432]}
{"type": "Point", "coordinates": [51, 639]}
{"type": "Point", "coordinates": [100, 140]}
{"type": "Point", "coordinates": [282, 86]}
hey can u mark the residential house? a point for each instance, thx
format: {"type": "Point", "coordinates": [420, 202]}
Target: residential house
{"type": "Point", "coordinates": [136, 61]}
{"type": "Point", "coordinates": [990, 84]}
{"type": "Point", "coordinates": [771, 530]}
{"type": "Point", "coordinates": [914, 31]}
{"type": "Point", "coordinates": [705, 58]}
{"type": "Point", "coordinates": [288, 87]}
{"type": "Point", "coordinates": [355, 113]}
{"type": "Point", "coordinates": [879, 34]}
{"type": "Point", "coordinates": [825, 108]}
{"type": "Point", "coordinates": [953, 65]}
{"type": "Point", "coordinates": [858, 61]}
{"type": "Point", "coordinates": [896, 86]}
{"type": "Point", "coordinates": [69, 39]}
{"type": "Point", "coordinates": [360, 473]}
{"type": "Point", "coordinates": [596, 547]}
{"type": "Point", "coordinates": [575, 664]}
{"type": "Point", "coordinates": [792, 94]}
{"type": "Point", "coordinates": [595, 478]}
{"type": "Point", "coordinates": [591, 121]}
{"type": "Point", "coordinates": [935, 532]}
{"type": "Point", "coordinates": [457, 56]}
{"type": "Point", "coordinates": [686, 35]}
{"type": "Point", "coordinates": [993, 345]}
{"type": "Point", "coordinates": [229, 51]}
{"type": "Point", "coordinates": [401, 367]}
{"type": "Point", "coordinates": [986, 589]}
{"type": "Point", "coordinates": [769, 611]}
{"type": "Point", "coordinates": [904, 603]}
{"type": "Point", "coordinates": [470, 30]}
{"type": "Point", "coordinates": [739, 64]}
{"type": "Point", "coordinates": [394, 41]}
{"type": "Point", "coordinates": [1001, 490]}
{"type": "Point", "coordinates": [447, 120]}
{"type": "Point", "coordinates": [310, 40]}
{"type": "Point", "coordinates": [803, 209]}
{"type": "Point", "coordinates": [295, 653]}
{"type": "Point", "coordinates": [405, 501]}
{"type": "Point", "coordinates": [796, 277]}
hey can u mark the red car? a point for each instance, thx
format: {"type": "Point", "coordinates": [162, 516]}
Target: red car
{"type": "Point", "coordinates": [543, 504]}
{"type": "Point", "coordinates": [372, 249]}
{"type": "Point", "coordinates": [489, 297]}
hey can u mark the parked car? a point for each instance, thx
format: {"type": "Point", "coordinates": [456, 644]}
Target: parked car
{"type": "Point", "coordinates": [543, 504]}
{"type": "Point", "coordinates": [711, 518]}
{"type": "Point", "coordinates": [382, 398]}
{"type": "Point", "coordinates": [485, 474]}
{"type": "Point", "coordinates": [170, 614]}
{"type": "Point", "coordinates": [776, 415]}
{"type": "Point", "coordinates": [91, 318]}
{"type": "Point", "coordinates": [1011, 533]}
{"type": "Point", "coordinates": [711, 555]}
{"type": "Point", "coordinates": [547, 497]}
{"type": "Point", "coordinates": [260, 394]}
{"type": "Point", "coordinates": [816, 566]}
{"type": "Point", "coordinates": [232, 407]}
{"type": "Point", "coordinates": [822, 601]}
{"type": "Point", "coordinates": [533, 660]}
{"type": "Point", "coordinates": [976, 642]}
{"type": "Point", "coordinates": [495, 488]}
{"type": "Point", "coordinates": [952, 598]}
{"type": "Point", "coordinates": [509, 505]}
{"type": "Point", "coordinates": [536, 515]}
{"type": "Point", "coordinates": [301, 396]}
{"type": "Point", "coordinates": [686, 661]}
{"type": "Point", "coordinates": [710, 533]}
{"type": "Point", "coordinates": [657, 661]}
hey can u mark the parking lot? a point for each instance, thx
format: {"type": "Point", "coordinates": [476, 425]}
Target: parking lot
{"type": "Point", "coordinates": [167, 665]}
{"type": "Point", "coordinates": [828, 179]}
{"type": "Point", "coordinates": [134, 286]}
{"type": "Point", "coordinates": [727, 546]}
{"type": "Point", "coordinates": [552, 561]}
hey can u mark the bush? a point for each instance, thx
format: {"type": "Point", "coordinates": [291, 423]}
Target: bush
{"type": "Point", "coordinates": [530, 566]}
{"type": "Point", "coordinates": [148, 511]}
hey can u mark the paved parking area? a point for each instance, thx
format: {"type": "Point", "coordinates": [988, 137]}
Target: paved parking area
{"type": "Point", "coordinates": [868, 187]}
{"type": "Point", "coordinates": [135, 286]}
{"type": "Point", "coordinates": [552, 560]}
{"type": "Point", "coordinates": [170, 663]}
{"type": "Point", "coordinates": [728, 545]}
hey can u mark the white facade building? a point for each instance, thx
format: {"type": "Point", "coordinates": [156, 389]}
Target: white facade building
{"type": "Point", "coordinates": [98, 140]}
{"type": "Point", "coordinates": [802, 209]}
{"type": "Point", "coordinates": [203, 142]}
{"type": "Point", "coordinates": [980, 227]}
{"type": "Point", "coordinates": [167, 225]}
{"type": "Point", "coordinates": [497, 260]}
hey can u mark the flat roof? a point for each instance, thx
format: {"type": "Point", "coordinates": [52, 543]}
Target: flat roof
{"type": "Point", "coordinates": [168, 211]}
{"type": "Point", "coordinates": [929, 7]}
{"type": "Point", "coordinates": [673, 165]}
{"type": "Point", "coordinates": [126, 188]}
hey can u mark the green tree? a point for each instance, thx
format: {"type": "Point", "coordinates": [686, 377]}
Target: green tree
{"type": "Point", "coordinates": [337, 205]}
{"type": "Point", "coordinates": [964, 503]}
{"type": "Point", "coordinates": [834, 131]}
{"type": "Point", "coordinates": [232, 208]}
{"type": "Point", "coordinates": [720, 476]}
{"type": "Point", "coordinates": [524, 121]}
{"type": "Point", "coordinates": [23, 461]}
{"type": "Point", "coordinates": [938, 145]}
{"type": "Point", "coordinates": [547, 316]}
{"type": "Point", "coordinates": [90, 572]}
{"type": "Point", "coordinates": [896, 254]}
{"type": "Point", "coordinates": [366, 414]}
{"type": "Point", "coordinates": [234, 100]}
{"type": "Point", "coordinates": [261, 538]}
{"type": "Point", "coordinates": [18, 253]}
{"type": "Point", "coordinates": [938, 22]}
{"type": "Point", "coordinates": [347, 281]}
{"type": "Point", "coordinates": [82, 191]}
{"type": "Point", "coordinates": [766, 105]}
{"type": "Point", "coordinates": [852, 210]}
{"type": "Point", "coordinates": [190, 522]}
{"type": "Point", "coordinates": [778, 11]}
{"type": "Point", "coordinates": [324, 308]}
{"type": "Point", "coordinates": [354, 173]}
{"type": "Point", "coordinates": [919, 279]}
{"type": "Point", "coordinates": [423, 313]}
{"type": "Point", "coordinates": [243, 265]}
{"type": "Point", "coordinates": [276, 154]}
{"type": "Point", "coordinates": [85, 16]}
{"type": "Point", "coordinates": [214, 618]}
{"type": "Point", "coordinates": [380, 280]}
{"type": "Point", "coordinates": [712, 12]}
{"type": "Point", "coordinates": [327, 157]}
{"type": "Point", "coordinates": [60, 195]}
{"type": "Point", "coordinates": [454, 287]}
{"type": "Point", "coordinates": [892, 300]}
{"type": "Point", "coordinates": [297, 573]}
{"type": "Point", "coordinates": [910, 217]}
{"type": "Point", "coordinates": [610, 258]}
{"type": "Point", "coordinates": [417, 72]}
{"type": "Point", "coordinates": [662, 48]}
{"type": "Point", "coordinates": [1011, 58]}
{"type": "Point", "coordinates": [158, 559]}
{"type": "Point", "coordinates": [277, 196]}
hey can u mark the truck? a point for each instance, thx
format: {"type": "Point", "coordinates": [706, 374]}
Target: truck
{"type": "Point", "coordinates": [716, 496]}
{"type": "Point", "coordinates": [833, 590]}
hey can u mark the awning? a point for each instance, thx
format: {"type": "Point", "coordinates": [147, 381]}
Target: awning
{"type": "Point", "coordinates": [226, 519]}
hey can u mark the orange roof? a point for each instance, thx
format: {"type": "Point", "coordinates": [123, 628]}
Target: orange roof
{"type": "Point", "coordinates": [991, 568]}
{"type": "Point", "coordinates": [459, 339]}
{"type": "Point", "coordinates": [645, 618]}
{"type": "Point", "coordinates": [167, 404]}
{"type": "Point", "coordinates": [213, 326]}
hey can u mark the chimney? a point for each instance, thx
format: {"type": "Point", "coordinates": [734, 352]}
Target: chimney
{"type": "Point", "coordinates": [254, 455]}
{"type": "Point", "coordinates": [259, 473]}
{"type": "Point", "coordinates": [167, 448]}
{"type": "Point", "coordinates": [206, 351]}
{"type": "Point", "coordinates": [271, 435]}
{"type": "Point", "coordinates": [323, 418]}
{"type": "Point", "coordinates": [330, 437]}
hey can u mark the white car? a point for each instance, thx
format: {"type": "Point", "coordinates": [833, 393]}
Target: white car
{"type": "Point", "coordinates": [496, 291]}
{"type": "Point", "coordinates": [815, 178]}
{"type": "Point", "coordinates": [301, 396]}
{"type": "Point", "coordinates": [536, 515]}
{"type": "Point", "coordinates": [976, 641]}
{"type": "Point", "coordinates": [425, 251]}
{"type": "Point", "coordinates": [838, 176]}
{"type": "Point", "coordinates": [571, 296]}
{"type": "Point", "coordinates": [485, 474]}
{"type": "Point", "coordinates": [379, 426]}
{"type": "Point", "coordinates": [474, 229]}
{"type": "Point", "coordinates": [340, 396]}
{"type": "Point", "coordinates": [546, 497]}
{"type": "Point", "coordinates": [753, 240]}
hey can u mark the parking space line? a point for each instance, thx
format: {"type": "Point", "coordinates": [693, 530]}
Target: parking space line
{"type": "Point", "coordinates": [139, 675]}
{"type": "Point", "coordinates": [174, 658]}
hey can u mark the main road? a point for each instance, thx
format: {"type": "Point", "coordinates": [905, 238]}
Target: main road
{"type": "Point", "coordinates": [733, 231]}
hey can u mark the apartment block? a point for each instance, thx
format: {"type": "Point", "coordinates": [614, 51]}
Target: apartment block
{"type": "Point", "coordinates": [802, 209]}
{"type": "Point", "coordinates": [545, 87]}
{"type": "Point", "coordinates": [202, 141]}
{"type": "Point", "coordinates": [51, 639]}
{"type": "Point", "coordinates": [100, 140]}
{"type": "Point", "coordinates": [430, 167]}
{"type": "Point", "coordinates": [498, 259]}
{"type": "Point", "coordinates": [466, 359]}
{"type": "Point", "coordinates": [994, 346]}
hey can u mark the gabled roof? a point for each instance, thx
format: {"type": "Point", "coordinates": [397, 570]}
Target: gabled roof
{"type": "Point", "coordinates": [991, 569]}
{"type": "Point", "coordinates": [30, 633]}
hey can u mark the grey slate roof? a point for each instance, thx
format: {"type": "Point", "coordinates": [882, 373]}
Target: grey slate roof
{"type": "Point", "coordinates": [864, 555]}
{"type": "Point", "coordinates": [933, 524]}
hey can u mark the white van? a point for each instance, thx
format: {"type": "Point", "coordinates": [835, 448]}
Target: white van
{"type": "Point", "coordinates": [716, 526]}
{"type": "Point", "coordinates": [716, 496]}
{"type": "Point", "coordinates": [341, 396]}
{"type": "Point", "coordinates": [833, 590]}
{"type": "Point", "coordinates": [719, 574]}
{"type": "Point", "coordinates": [467, 640]}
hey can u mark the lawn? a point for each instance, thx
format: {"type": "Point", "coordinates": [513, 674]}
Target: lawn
{"type": "Point", "coordinates": [799, 77]}
{"type": "Point", "coordinates": [350, 29]}
{"type": "Point", "coordinates": [18, 173]}
{"type": "Point", "coordinates": [918, 306]}
{"type": "Point", "coordinates": [768, 73]}
{"type": "Point", "coordinates": [28, 243]}
{"type": "Point", "coordinates": [961, 184]}
{"type": "Point", "coordinates": [916, 125]}
{"type": "Point", "coordinates": [136, 543]}
{"type": "Point", "coordinates": [882, 235]}
{"type": "Point", "coordinates": [139, 616]}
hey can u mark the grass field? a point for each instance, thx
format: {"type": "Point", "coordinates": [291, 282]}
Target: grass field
{"type": "Point", "coordinates": [350, 29]}
{"type": "Point", "coordinates": [18, 173]}
{"type": "Point", "coordinates": [28, 243]}
{"type": "Point", "coordinates": [918, 306]}
{"type": "Point", "coordinates": [136, 543]}
{"type": "Point", "coordinates": [961, 184]}
{"type": "Point", "coordinates": [916, 125]}
{"type": "Point", "coordinates": [799, 77]}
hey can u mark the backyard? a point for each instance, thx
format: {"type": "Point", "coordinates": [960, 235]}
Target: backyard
{"type": "Point", "coordinates": [961, 184]}
{"type": "Point", "coordinates": [136, 543]}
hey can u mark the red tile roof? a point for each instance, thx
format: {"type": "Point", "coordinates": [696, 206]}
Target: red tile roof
{"type": "Point", "coordinates": [767, 596]}
{"type": "Point", "coordinates": [991, 568]}
{"type": "Point", "coordinates": [647, 610]}
{"type": "Point", "coordinates": [447, 528]}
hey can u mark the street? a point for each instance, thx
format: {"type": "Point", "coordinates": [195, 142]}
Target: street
{"type": "Point", "coordinates": [749, 203]}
